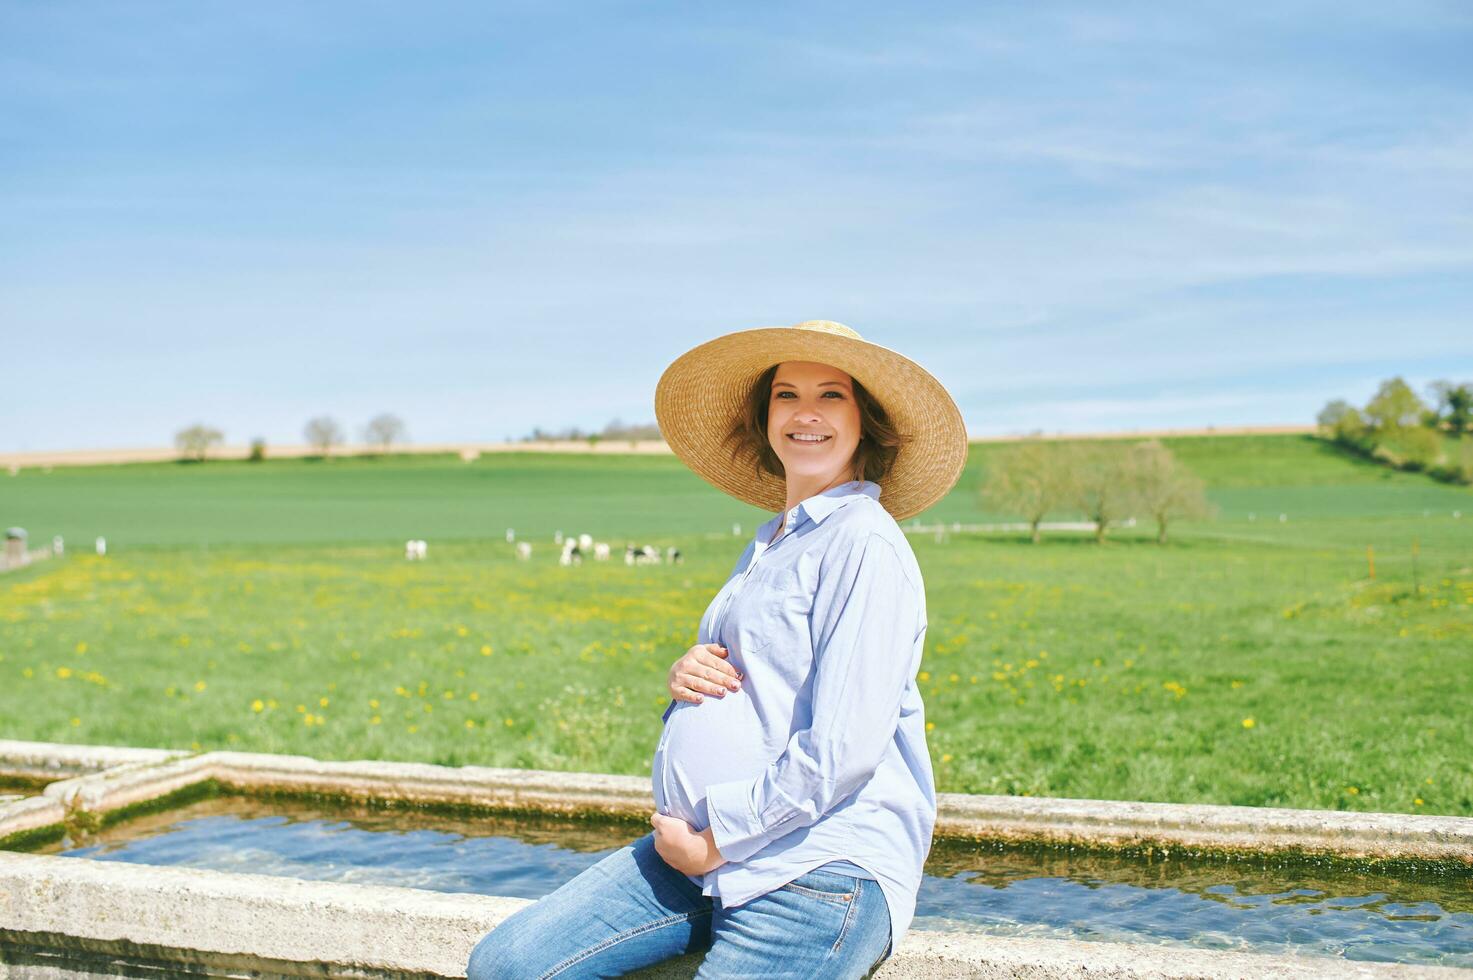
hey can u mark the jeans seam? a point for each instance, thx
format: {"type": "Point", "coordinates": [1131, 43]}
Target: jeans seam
{"type": "Point", "coordinates": [621, 937]}
{"type": "Point", "coordinates": [848, 917]}
{"type": "Point", "coordinates": [837, 898]}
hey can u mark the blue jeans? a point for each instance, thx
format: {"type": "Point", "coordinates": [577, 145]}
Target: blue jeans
{"type": "Point", "coordinates": [632, 910]}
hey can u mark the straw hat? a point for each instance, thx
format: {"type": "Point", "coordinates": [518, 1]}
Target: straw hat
{"type": "Point", "coordinates": [701, 393]}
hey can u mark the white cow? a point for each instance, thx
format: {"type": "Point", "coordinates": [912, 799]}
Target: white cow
{"type": "Point", "coordinates": [600, 551]}
{"type": "Point", "coordinates": [672, 555]}
{"type": "Point", "coordinates": [585, 542]}
{"type": "Point", "coordinates": [524, 550]}
{"type": "Point", "coordinates": [571, 555]}
{"type": "Point", "coordinates": [643, 555]}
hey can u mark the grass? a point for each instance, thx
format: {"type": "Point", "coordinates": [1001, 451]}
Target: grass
{"type": "Point", "coordinates": [269, 608]}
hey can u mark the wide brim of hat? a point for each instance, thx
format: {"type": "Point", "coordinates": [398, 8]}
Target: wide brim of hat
{"type": "Point", "coordinates": [699, 396]}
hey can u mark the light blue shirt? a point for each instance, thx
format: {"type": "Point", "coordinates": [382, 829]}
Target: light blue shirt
{"type": "Point", "coordinates": [821, 756]}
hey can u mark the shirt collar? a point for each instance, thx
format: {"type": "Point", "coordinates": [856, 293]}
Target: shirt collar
{"type": "Point", "coordinates": [821, 505]}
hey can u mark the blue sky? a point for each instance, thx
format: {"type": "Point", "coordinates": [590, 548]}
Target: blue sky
{"type": "Point", "coordinates": [489, 217]}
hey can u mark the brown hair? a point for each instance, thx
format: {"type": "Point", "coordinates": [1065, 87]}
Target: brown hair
{"type": "Point", "coordinates": [879, 440]}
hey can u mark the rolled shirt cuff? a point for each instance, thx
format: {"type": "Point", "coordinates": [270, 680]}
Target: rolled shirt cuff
{"type": "Point", "coordinates": [736, 829]}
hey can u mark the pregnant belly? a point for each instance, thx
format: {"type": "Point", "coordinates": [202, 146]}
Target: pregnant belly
{"type": "Point", "coordinates": [716, 741]}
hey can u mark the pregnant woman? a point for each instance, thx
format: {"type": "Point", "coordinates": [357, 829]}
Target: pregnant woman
{"type": "Point", "coordinates": [795, 803]}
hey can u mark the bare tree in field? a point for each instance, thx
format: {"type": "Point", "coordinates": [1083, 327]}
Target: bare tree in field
{"type": "Point", "coordinates": [1165, 489]}
{"type": "Point", "coordinates": [195, 441]}
{"type": "Point", "coordinates": [1100, 483]}
{"type": "Point", "coordinates": [383, 431]}
{"type": "Point", "coordinates": [1029, 479]}
{"type": "Point", "coordinates": [323, 433]}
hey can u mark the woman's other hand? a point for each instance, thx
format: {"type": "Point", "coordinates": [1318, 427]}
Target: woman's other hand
{"type": "Point", "coordinates": [684, 849]}
{"type": "Point", "coordinates": [703, 670]}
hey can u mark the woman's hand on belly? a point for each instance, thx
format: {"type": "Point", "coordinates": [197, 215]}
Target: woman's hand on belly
{"type": "Point", "coordinates": [702, 670]}
{"type": "Point", "coordinates": [682, 848]}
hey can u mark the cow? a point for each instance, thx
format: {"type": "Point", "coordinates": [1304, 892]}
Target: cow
{"type": "Point", "coordinates": [643, 555]}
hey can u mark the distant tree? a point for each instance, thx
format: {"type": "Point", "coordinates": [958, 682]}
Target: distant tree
{"type": "Point", "coordinates": [634, 432]}
{"type": "Point", "coordinates": [1454, 406]}
{"type": "Point", "coordinates": [1394, 407]}
{"type": "Point", "coordinates": [323, 433]}
{"type": "Point", "coordinates": [1353, 430]}
{"type": "Point", "coordinates": [1461, 469]}
{"type": "Point", "coordinates": [614, 430]}
{"type": "Point", "coordinates": [383, 431]}
{"type": "Point", "coordinates": [1029, 479]}
{"type": "Point", "coordinates": [1165, 489]}
{"type": "Point", "coordinates": [1100, 483]}
{"type": "Point", "coordinates": [1415, 448]}
{"type": "Point", "coordinates": [258, 450]}
{"type": "Point", "coordinates": [1332, 414]}
{"type": "Point", "coordinates": [195, 441]}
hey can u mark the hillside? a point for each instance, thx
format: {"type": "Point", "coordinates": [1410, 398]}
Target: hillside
{"type": "Point", "coordinates": [440, 497]}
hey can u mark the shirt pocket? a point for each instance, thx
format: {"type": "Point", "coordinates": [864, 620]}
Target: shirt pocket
{"type": "Point", "coordinates": [781, 591]}
{"type": "Point", "coordinates": [773, 623]}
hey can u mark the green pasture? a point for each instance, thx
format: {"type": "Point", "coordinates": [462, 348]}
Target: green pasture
{"type": "Point", "coordinates": [268, 607]}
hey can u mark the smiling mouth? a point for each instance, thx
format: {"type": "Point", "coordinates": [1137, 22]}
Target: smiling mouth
{"type": "Point", "coordinates": [810, 441]}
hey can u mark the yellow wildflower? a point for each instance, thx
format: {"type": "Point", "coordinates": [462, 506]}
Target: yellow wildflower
{"type": "Point", "coordinates": [1248, 723]}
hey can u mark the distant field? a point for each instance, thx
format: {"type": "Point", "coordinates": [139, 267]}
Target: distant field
{"type": "Point", "coordinates": [385, 500]}
{"type": "Point", "coordinates": [269, 607]}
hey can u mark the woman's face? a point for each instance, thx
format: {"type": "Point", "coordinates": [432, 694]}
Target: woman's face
{"type": "Point", "coordinates": [809, 398]}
